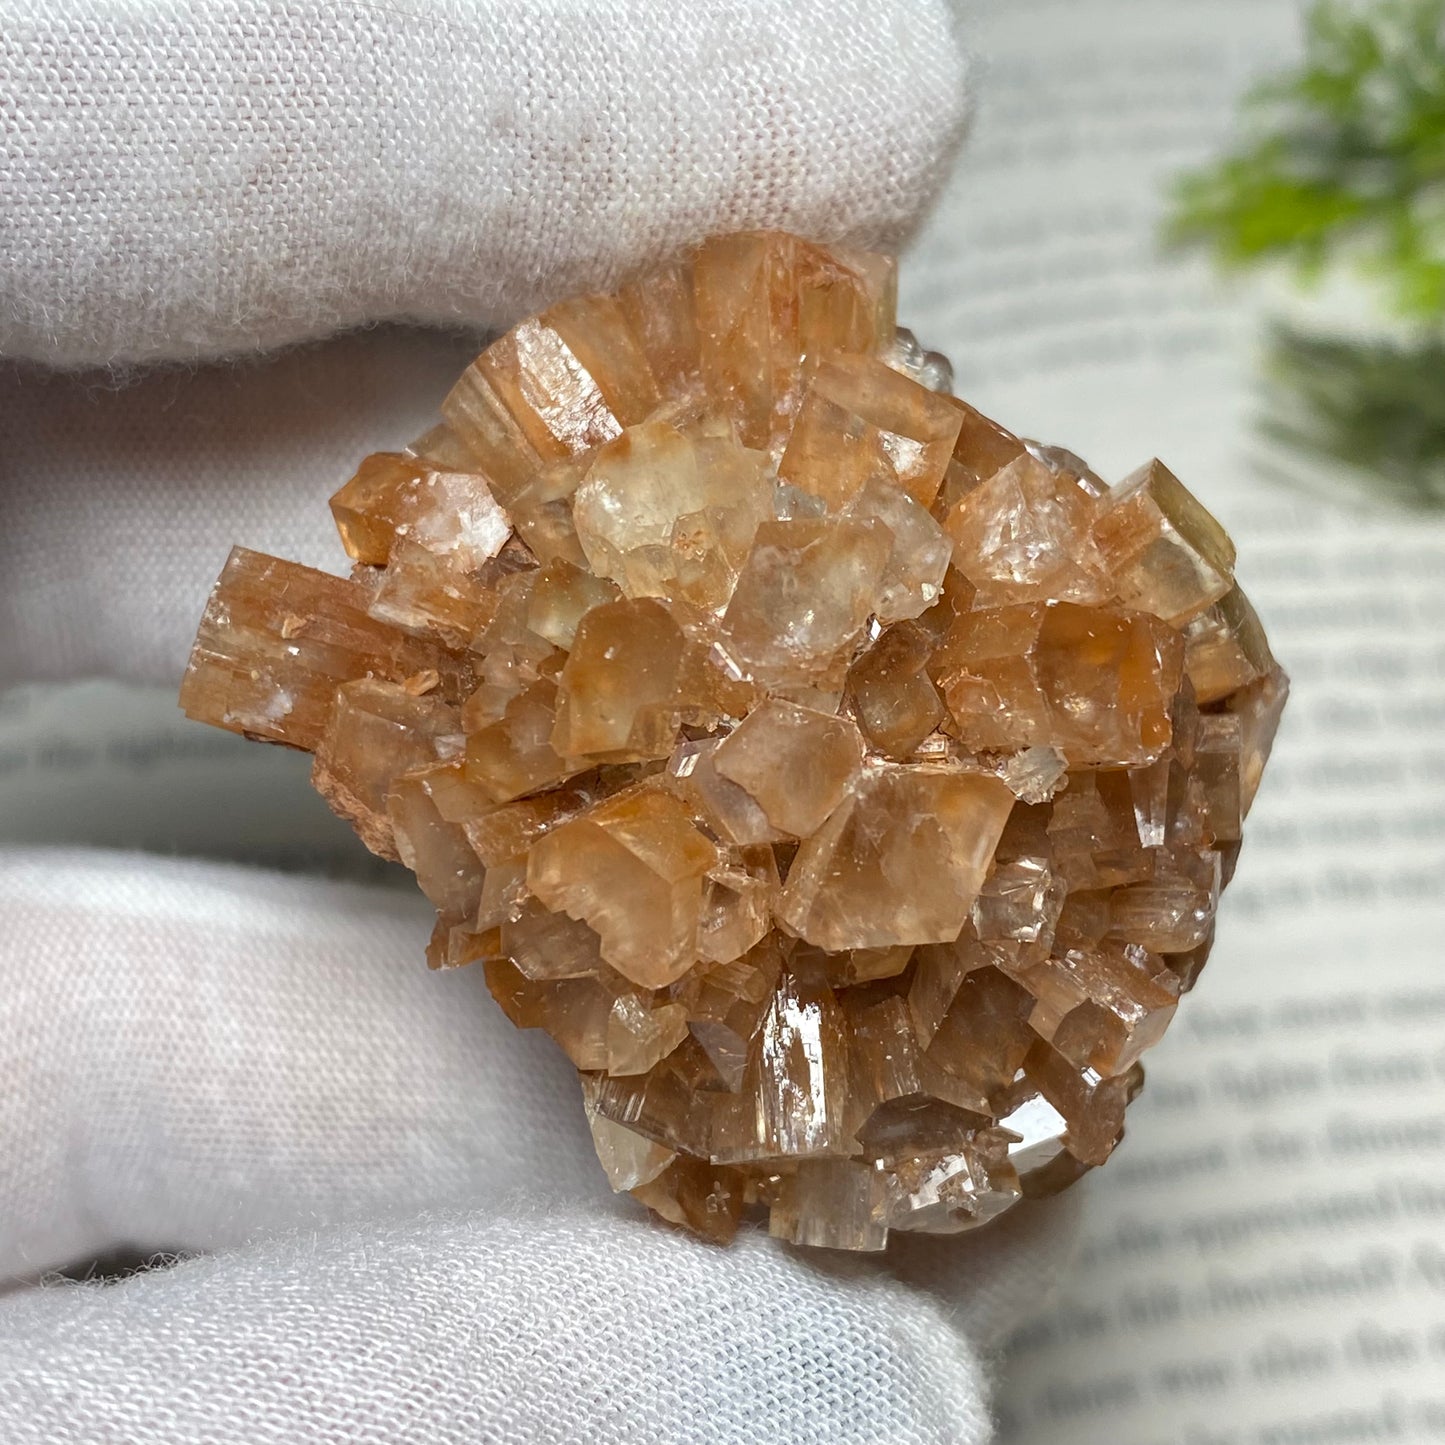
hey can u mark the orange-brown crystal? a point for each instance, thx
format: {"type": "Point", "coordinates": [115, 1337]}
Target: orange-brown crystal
{"type": "Point", "coordinates": [844, 783]}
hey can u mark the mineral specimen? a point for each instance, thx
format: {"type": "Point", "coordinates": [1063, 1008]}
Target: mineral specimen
{"type": "Point", "coordinates": [846, 784]}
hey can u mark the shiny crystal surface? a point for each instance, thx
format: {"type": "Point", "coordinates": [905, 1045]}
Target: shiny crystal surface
{"type": "Point", "coordinates": [846, 784]}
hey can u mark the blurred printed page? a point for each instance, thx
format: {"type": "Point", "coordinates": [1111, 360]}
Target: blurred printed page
{"type": "Point", "coordinates": [103, 765]}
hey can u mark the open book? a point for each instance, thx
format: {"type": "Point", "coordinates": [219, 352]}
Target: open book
{"type": "Point", "coordinates": [1264, 1258]}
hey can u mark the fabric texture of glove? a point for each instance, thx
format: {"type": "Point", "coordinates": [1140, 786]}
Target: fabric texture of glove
{"type": "Point", "coordinates": [190, 181]}
{"type": "Point", "coordinates": [450, 1329]}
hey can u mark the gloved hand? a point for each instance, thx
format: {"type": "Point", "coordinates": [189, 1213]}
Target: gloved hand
{"type": "Point", "coordinates": [404, 1234]}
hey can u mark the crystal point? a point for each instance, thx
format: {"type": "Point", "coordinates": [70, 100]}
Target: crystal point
{"type": "Point", "coordinates": [632, 868]}
{"type": "Point", "coordinates": [900, 862]}
{"type": "Point", "coordinates": [794, 762]}
{"type": "Point", "coordinates": [1165, 553]}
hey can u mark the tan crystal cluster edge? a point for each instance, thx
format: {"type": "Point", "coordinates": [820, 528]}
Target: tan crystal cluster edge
{"type": "Point", "coordinates": [844, 783]}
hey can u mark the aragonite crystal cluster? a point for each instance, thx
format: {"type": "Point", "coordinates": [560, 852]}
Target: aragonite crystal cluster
{"type": "Point", "coordinates": [844, 783]}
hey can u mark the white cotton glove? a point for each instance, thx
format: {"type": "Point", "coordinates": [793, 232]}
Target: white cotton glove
{"type": "Point", "coordinates": [405, 1236]}
{"type": "Point", "coordinates": [419, 1244]}
{"type": "Point", "coordinates": [198, 180]}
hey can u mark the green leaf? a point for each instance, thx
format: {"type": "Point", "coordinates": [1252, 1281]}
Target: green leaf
{"type": "Point", "coordinates": [1378, 407]}
{"type": "Point", "coordinates": [1341, 160]}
